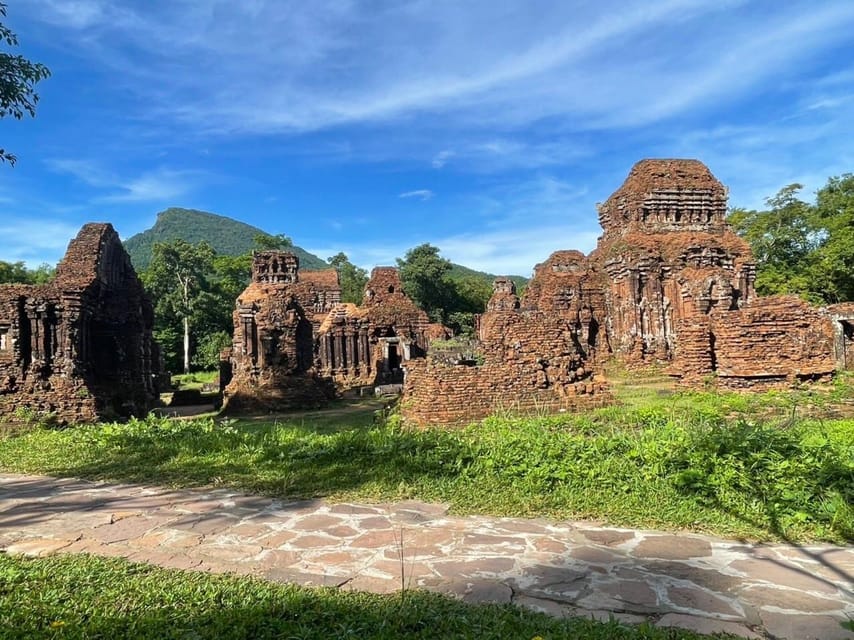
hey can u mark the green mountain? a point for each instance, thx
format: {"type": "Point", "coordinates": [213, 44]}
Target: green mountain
{"type": "Point", "coordinates": [459, 272]}
{"type": "Point", "coordinates": [233, 238]}
{"type": "Point", "coordinates": [227, 236]}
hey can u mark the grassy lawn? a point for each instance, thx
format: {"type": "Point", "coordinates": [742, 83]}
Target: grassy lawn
{"type": "Point", "coordinates": [769, 466]}
{"type": "Point", "coordinates": [85, 597]}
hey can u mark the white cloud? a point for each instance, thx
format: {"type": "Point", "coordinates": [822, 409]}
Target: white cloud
{"type": "Point", "coordinates": [35, 240]}
{"type": "Point", "coordinates": [270, 66]}
{"type": "Point", "coordinates": [158, 185]}
{"type": "Point", "coordinates": [441, 158]}
{"type": "Point", "coordinates": [420, 194]}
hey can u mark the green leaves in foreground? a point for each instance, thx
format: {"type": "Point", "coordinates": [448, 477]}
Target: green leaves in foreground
{"type": "Point", "coordinates": [76, 597]}
{"type": "Point", "coordinates": [700, 461]}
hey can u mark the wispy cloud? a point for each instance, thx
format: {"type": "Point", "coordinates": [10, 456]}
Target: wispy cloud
{"type": "Point", "coordinates": [441, 158]}
{"type": "Point", "coordinates": [420, 194]}
{"type": "Point", "coordinates": [158, 185]}
{"type": "Point", "coordinates": [36, 240]}
{"type": "Point", "coordinates": [265, 66]}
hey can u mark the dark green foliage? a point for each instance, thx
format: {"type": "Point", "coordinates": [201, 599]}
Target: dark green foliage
{"type": "Point", "coordinates": [83, 597]}
{"type": "Point", "coordinates": [802, 248]}
{"type": "Point", "coordinates": [450, 294]}
{"type": "Point", "coordinates": [459, 272]}
{"type": "Point", "coordinates": [178, 281]}
{"type": "Point", "coordinates": [18, 77]}
{"type": "Point", "coordinates": [226, 236]}
{"type": "Point", "coordinates": [208, 348]}
{"type": "Point", "coordinates": [352, 278]}
{"type": "Point", "coordinates": [17, 272]}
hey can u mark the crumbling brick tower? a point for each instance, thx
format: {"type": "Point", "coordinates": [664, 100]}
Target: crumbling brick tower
{"type": "Point", "coordinates": [534, 354]}
{"type": "Point", "coordinates": [272, 363]}
{"type": "Point", "coordinates": [80, 347]}
{"type": "Point", "coordinates": [669, 257]}
{"type": "Point", "coordinates": [368, 344]}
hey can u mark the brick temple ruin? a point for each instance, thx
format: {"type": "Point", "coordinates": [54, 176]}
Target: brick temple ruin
{"type": "Point", "coordinates": [668, 283]}
{"type": "Point", "coordinates": [296, 345]}
{"type": "Point", "coordinates": [79, 348]}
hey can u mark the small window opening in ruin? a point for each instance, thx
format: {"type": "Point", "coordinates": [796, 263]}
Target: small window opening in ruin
{"type": "Point", "coordinates": [393, 357]}
{"type": "Point", "coordinates": [713, 357]}
{"type": "Point", "coordinates": [391, 288]}
{"type": "Point", "coordinates": [4, 338]}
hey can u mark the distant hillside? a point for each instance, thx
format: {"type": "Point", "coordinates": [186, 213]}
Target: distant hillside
{"type": "Point", "coordinates": [458, 271]}
{"type": "Point", "coordinates": [226, 236]}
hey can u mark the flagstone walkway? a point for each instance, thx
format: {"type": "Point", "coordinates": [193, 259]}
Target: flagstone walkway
{"type": "Point", "coordinates": [564, 568]}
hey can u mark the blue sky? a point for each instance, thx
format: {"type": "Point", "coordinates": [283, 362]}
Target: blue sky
{"type": "Point", "coordinates": [489, 129]}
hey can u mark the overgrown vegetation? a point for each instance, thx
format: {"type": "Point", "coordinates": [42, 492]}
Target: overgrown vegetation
{"type": "Point", "coordinates": [764, 467]}
{"type": "Point", "coordinates": [804, 248]}
{"type": "Point", "coordinates": [76, 597]}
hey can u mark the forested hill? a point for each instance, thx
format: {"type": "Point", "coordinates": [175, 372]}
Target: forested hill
{"type": "Point", "coordinates": [233, 238]}
{"type": "Point", "coordinates": [458, 272]}
{"type": "Point", "coordinates": [227, 236]}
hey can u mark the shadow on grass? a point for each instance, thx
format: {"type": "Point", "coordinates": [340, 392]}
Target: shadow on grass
{"type": "Point", "coordinates": [280, 460]}
{"type": "Point", "coordinates": [85, 597]}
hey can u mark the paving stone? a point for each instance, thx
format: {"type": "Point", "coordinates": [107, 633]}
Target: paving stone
{"type": "Point", "coordinates": [701, 600]}
{"type": "Point", "coordinates": [37, 547]}
{"type": "Point", "coordinates": [783, 575]}
{"type": "Point", "coordinates": [765, 596]}
{"type": "Point", "coordinates": [473, 591]}
{"type": "Point", "coordinates": [549, 545]}
{"type": "Point", "coordinates": [172, 538]}
{"type": "Point", "coordinates": [277, 559]}
{"type": "Point", "coordinates": [303, 578]}
{"type": "Point", "coordinates": [313, 541]}
{"type": "Point", "coordinates": [623, 595]}
{"type": "Point", "coordinates": [672, 547]}
{"type": "Point", "coordinates": [707, 626]}
{"type": "Point", "coordinates": [474, 567]}
{"type": "Point", "coordinates": [355, 509]}
{"type": "Point", "coordinates": [205, 524]}
{"type": "Point", "coordinates": [708, 578]}
{"type": "Point", "coordinates": [595, 556]}
{"type": "Point", "coordinates": [376, 522]}
{"type": "Point", "coordinates": [226, 552]}
{"type": "Point", "coordinates": [127, 529]}
{"type": "Point", "coordinates": [505, 542]}
{"type": "Point", "coordinates": [341, 531]}
{"type": "Point", "coordinates": [555, 583]}
{"type": "Point", "coordinates": [607, 537]}
{"type": "Point", "coordinates": [316, 522]}
{"type": "Point", "coordinates": [424, 510]}
{"type": "Point", "coordinates": [374, 540]}
{"type": "Point", "coordinates": [804, 627]}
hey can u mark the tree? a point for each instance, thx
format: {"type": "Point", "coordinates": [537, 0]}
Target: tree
{"type": "Point", "coordinates": [834, 220]}
{"type": "Point", "coordinates": [803, 248]}
{"type": "Point", "coordinates": [783, 240]}
{"type": "Point", "coordinates": [178, 281]}
{"type": "Point", "coordinates": [17, 272]}
{"type": "Point", "coordinates": [423, 274]}
{"type": "Point", "coordinates": [266, 242]}
{"type": "Point", "coordinates": [352, 278]}
{"type": "Point", "coordinates": [18, 77]}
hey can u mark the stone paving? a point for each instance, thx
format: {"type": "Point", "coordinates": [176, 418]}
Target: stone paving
{"type": "Point", "coordinates": [562, 568]}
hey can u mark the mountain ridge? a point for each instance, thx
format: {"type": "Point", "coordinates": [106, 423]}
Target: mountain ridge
{"type": "Point", "coordinates": [232, 237]}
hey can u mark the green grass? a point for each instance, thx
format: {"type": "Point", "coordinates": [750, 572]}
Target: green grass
{"type": "Point", "coordinates": [85, 597]}
{"type": "Point", "coordinates": [766, 466]}
{"type": "Point", "coordinates": [194, 380]}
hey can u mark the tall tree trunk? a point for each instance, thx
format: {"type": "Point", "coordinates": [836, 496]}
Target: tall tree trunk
{"type": "Point", "coordinates": [186, 344]}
